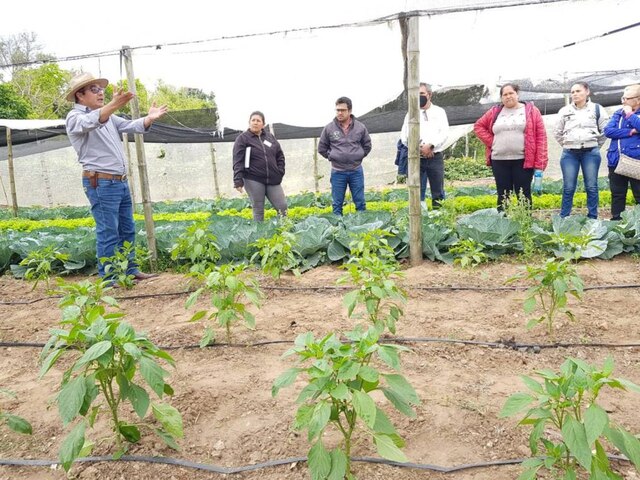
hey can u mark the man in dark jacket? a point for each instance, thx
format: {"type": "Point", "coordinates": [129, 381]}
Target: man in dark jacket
{"type": "Point", "coordinates": [345, 142]}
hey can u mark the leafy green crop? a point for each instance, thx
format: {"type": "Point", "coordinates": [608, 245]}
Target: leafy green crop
{"type": "Point", "coordinates": [552, 283]}
{"type": "Point", "coordinates": [277, 254]}
{"type": "Point", "coordinates": [468, 253]}
{"type": "Point", "coordinates": [108, 361]}
{"type": "Point", "coordinates": [14, 422]}
{"type": "Point", "coordinates": [372, 268]}
{"type": "Point", "coordinates": [341, 380]}
{"type": "Point", "coordinates": [228, 291]}
{"type": "Point", "coordinates": [567, 423]}
{"type": "Point", "coordinates": [196, 249]}
{"type": "Point", "coordinates": [42, 263]}
{"type": "Point", "coordinates": [117, 266]}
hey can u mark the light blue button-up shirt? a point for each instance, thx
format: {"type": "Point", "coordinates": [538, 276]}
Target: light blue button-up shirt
{"type": "Point", "coordinates": [99, 145]}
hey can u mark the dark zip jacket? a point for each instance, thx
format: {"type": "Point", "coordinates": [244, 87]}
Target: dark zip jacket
{"type": "Point", "coordinates": [266, 161]}
{"type": "Point", "coordinates": [345, 151]}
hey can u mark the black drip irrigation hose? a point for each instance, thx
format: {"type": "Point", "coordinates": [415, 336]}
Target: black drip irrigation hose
{"type": "Point", "coordinates": [502, 344]}
{"type": "Point", "coordinates": [450, 288]}
{"type": "Point", "coordinates": [270, 464]}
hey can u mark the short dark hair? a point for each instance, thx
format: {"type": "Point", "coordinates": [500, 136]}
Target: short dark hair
{"type": "Point", "coordinates": [346, 100]}
{"type": "Point", "coordinates": [515, 86]}
{"type": "Point", "coordinates": [585, 85]}
{"type": "Point", "coordinates": [258, 113]}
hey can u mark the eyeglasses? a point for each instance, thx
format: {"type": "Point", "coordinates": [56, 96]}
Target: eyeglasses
{"type": "Point", "coordinates": [95, 89]}
{"type": "Point", "coordinates": [628, 98]}
{"type": "Point", "coordinates": [342, 109]}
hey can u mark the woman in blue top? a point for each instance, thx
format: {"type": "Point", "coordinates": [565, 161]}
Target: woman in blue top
{"type": "Point", "coordinates": [624, 131]}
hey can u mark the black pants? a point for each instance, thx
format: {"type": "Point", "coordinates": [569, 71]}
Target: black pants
{"type": "Point", "coordinates": [432, 169]}
{"type": "Point", "coordinates": [619, 185]}
{"type": "Point", "coordinates": [511, 177]}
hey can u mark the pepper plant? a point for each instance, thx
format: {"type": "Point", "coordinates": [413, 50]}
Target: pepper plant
{"type": "Point", "coordinates": [196, 249]}
{"type": "Point", "coordinates": [372, 268]}
{"type": "Point", "coordinates": [14, 422]}
{"type": "Point", "coordinates": [228, 291]}
{"type": "Point", "coordinates": [341, 380]}
{"type": "Point", "coordinates": [568, 425]}
{"type": "Point", "coordinates": [552, 282]}
{"type": "Point", "coordinates": [108, 361]}
{"type": "Point", "coordinates": [42, 263]}
{"type": "Point", "coordinates": [468, 253]}
{"type": "Point", "coordinates": [277, 254]}
{"type": "Point", "coordinates": [117, 266]}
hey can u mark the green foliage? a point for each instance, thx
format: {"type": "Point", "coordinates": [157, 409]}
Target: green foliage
{"type": "Point", "coordinates": [568, 425]}
{"type": "Point", "coordinates": [465, 168]}
{"type": "Point", "coordinates": [109, 360]}
{"type": "Point", "coordinates": [552, 283]}
{"type": "Point", "coordinates": [196, 249]}
{"type": "Point", "coordinates": [141, 93]}
{"type": "Point", "coordinates": [42, 263]}
{"type": "Point", "coordinates": [373, 268]}
{"type": "Point", "coordinates": [277, 254]}
{"type": "Point", "coordinates": [229, 292]}
{"type": "Point", "coordinates": [14, 422]}
{"type": "Point", "coordinates": [518, 208]}
{"type": "Point", "coordinates": [468, 253]}
{"type": "Point", "coordinates": [43, 87]}
{"type": "Point", "coordinates": [342, 379]}
{"type": "Point", "coordinates": [12, 104]}
{"type": "Point", "coordinates": [117, 266]}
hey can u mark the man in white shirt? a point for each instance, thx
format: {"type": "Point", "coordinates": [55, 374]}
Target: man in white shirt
{"type": "Point", "coordinates": [434, 128]}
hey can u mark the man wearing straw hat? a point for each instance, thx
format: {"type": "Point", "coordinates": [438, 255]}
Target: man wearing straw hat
{"type": "Point", "coordinates": [96, 135]}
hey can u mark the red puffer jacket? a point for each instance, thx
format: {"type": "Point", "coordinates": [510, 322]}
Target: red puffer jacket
{"type": "Point", "coordinates": [535, 135]}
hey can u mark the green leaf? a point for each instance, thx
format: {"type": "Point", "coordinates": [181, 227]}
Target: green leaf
{"type": "Point", "coordinates": [574, 435]}
{"type": "Point", "coordinates": [71, 398]}
{"type": "Point", "coordinates": [133, 350]}
{"type": "Point", "coordinates": [365, 407]}
{"type": "Point", "coordinates": [595, 419]}
{"type": "Point", "coordinates": [131, 433]}
{"type": "Point", "coordinates": [139, 399]}
{"type": "Point", "coordinates": [389, 355]}
{"type": "Point", "coordinates": [319, 420]}
{"type": "Point", "coordinates": [387, 448]}
{"type": "Point", "coordinates": [338, 465]}
{"type": "Point", "coordinates": [529, 305]}
{"type": "Point", "coordinates": [71, 446]}
{"type": "Point", "coordinates": [167, 438]}
{"type": "Point", "coordinates": [198, 316]}
{"type": "Point", "coordinates": [383, 424]}
{"type": "Point", "coordinates": [17, 424]}
{"type": "Point", "coordinates": [94, 352]}
{"type": "Point", "coordinates": [284, 380]}
{"type": "Point", "coordinates": [348, 371]}
{"type": "Point", "coordinates": [401, 387]}
{"type": "Point", "coordinates": [368, 374]}
{"type": "Point", "coordinates": [515, 403]}
{"type": "Point", "coordinates": [169, 417]}
{"type": "Point", "coordinates": [50, 361]}
{"type": "Point", "coordinates": [319, 461]}
{"type": "Point", "coordinates": [153, 374]}
{"type": "Point", "coordinates": [400, 403]}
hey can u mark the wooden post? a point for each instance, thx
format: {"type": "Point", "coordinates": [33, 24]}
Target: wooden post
{"type": "Point", "coordinates": [214, 165]}
{"type": "Point", "coordinates": [316, 179]}
{"type": "Point", "coordinates": [466, 145]}
{"type": "Point", "coordinates": [142, 163]}
{"type": "Point", "coordinates": [12, 175]}
{"type": "Point", "coordinates": [132, 185]}
{"type": "Point", "coordinates": [413, 180]}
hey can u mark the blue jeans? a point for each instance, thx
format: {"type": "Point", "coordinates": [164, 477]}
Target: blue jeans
{"type": "Point", "coordinates": [433, 170]}
{"type": "Point", "coordinates": [570, 162]}
{"type": "Point", "coordinates": [112, 209]}
{"type": "Point", "coordinates": [339, 182]}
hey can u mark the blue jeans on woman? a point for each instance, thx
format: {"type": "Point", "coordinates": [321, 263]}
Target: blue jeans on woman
{"type": "Point", "coordinates": [571, 161]}
{"type": "Point", "coordinates": [112, 209]}
{"type": "Point", "coordinates": [354, 179]}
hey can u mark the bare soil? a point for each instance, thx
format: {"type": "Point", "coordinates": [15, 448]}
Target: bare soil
{"type": "Point", "coordinates": [224, 392]}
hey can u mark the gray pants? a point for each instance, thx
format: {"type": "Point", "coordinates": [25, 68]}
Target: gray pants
{"type": "Point", "coordinates": [258, 191]}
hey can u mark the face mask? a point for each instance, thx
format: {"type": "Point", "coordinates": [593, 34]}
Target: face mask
{"type": "Point", "coordinates": [423, 101]}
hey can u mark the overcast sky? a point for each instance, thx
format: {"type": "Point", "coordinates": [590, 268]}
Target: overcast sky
{"type": "Point", "coordinates": [296, 77]}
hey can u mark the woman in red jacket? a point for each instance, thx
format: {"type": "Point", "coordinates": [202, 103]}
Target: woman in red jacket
{"type": "Point", "coordinates": [516, 142]}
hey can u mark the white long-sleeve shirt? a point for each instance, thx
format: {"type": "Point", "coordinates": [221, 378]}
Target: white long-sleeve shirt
{"type": "Point", "coordinates": [434, 128]}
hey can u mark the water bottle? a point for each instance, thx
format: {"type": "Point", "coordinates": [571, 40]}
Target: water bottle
{"type": "Point", "coordinates": [537, 182]}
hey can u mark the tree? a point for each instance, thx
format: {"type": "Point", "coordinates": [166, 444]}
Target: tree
{"type": "Point", "coordinates": [21, 48]}
{"type": "Point", "coordinates": [202, 109]}
{"type": "Point", "coordinates": [43, 87]}
{"type": "Point", "coordinates": [12, 105]}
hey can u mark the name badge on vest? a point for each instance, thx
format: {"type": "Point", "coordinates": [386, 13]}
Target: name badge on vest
{"type": "Point", "coordinates": [267, 143]}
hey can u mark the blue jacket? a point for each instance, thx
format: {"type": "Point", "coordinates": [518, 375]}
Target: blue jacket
{"type": "Point", "coordinates": [619, 131]}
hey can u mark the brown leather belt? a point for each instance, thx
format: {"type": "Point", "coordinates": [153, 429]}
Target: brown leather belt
{"type": "Point", "coordinates": [104, 176]}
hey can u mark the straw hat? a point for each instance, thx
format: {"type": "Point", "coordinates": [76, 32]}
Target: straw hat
{"type": "Point", "coordinates": [80, 81]}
